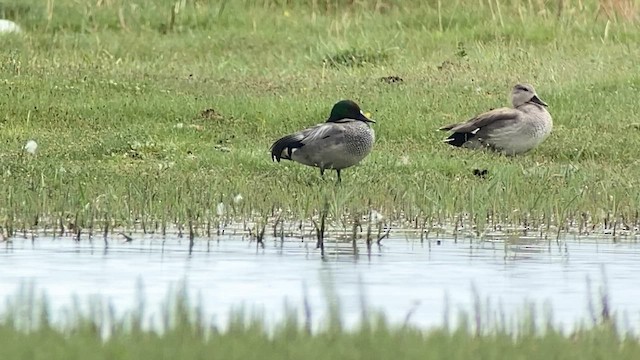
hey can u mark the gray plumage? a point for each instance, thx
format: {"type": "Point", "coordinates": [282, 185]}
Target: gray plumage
{"type": "Point", "coordinates": [510, 131]}
{"type": "Point", "coordinates": [342, 141]}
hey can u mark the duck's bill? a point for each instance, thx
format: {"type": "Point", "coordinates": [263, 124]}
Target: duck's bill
{"type": "Point", "coordinates": [536, 99]}
{"type": "Point", "coordinates": [365, 117]}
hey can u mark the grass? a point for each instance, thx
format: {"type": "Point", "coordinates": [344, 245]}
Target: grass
{"type": "Point", "coordinates": [152, 113]}
{"type": "Point", "coordinates": [27, 332]}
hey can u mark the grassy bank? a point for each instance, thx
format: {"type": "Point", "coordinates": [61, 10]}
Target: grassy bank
{"type": "Point", "coordinates": [26, 332]}
{"type": "Point", "coordinates": [117, 96]}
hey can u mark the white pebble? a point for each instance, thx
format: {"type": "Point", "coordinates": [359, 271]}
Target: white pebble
{"type": "Point", "coordinates": [31, 147]}
{"type": "Point", "coordinates": [7, 26]}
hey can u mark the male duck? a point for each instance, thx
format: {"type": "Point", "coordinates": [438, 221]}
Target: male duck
{"type": "Point", "coordinates": [342, 141]}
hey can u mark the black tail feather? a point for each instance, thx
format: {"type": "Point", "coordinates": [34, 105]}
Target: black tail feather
{"type": "Point", "coordinates": [289, 143]}
{"type": "Point", "coordinates": [458, 138]}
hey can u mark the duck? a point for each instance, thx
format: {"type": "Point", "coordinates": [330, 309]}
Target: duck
{"type": "Point", "coordinates": [510, 131]}
{"type": "Point", "coordinates": [342, 141]}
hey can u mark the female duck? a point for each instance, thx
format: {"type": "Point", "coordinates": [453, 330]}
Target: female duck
{"type": "Point", "coordinates": [510, 131]}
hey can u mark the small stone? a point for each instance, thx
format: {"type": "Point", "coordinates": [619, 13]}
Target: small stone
{"type": "Point", "coordinates": [31, 146]}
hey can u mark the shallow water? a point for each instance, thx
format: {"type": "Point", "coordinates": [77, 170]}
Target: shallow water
{"type": "Point", "coordinates": [426, 280]}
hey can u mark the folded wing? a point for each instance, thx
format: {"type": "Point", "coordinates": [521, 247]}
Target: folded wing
{"type": "Point", "coordinates": [490, 118]}
{"type": "Point", "coordinates": [284, 147]}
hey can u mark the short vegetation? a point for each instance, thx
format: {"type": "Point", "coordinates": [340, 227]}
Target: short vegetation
{"type": "Point", "coordinates": [150, 114]}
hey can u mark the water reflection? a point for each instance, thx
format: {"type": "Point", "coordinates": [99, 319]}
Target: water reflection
{"type": "Point", "coordinates": [405, 278]}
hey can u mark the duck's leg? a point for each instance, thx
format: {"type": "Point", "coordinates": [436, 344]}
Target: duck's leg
{"type": "Point", "coordinates": [339, 178]}
{"type": "Point", "coordinates": [322, 173]}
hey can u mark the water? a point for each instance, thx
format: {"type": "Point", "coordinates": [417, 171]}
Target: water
{"type": "Point", "coordinates": [404, 278]}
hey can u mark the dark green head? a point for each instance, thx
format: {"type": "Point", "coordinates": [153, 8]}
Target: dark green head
{"type": "Point", "coordinates": [347, 109]}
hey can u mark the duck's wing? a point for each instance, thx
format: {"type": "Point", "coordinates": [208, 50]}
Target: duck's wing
{"type": "Point", "coordinates": [284, 147]}
{"type": "Point", "coordinates": [322, 132]}
{"type": "Point", "coordinates": [485, 119]}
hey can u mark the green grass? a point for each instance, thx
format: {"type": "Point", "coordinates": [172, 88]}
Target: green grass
{"type": "Point", "coordinates": [27, 332]}
{"type": "Point", "coordinates": [114, 93]}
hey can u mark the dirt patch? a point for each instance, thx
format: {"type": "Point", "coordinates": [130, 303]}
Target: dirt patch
{"type": "Point", "coordinates": [393, 79]}
{"type": "Point", "coordinates": [481, 173]}
{"type": "Point", "coordinates": [211, 114]}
